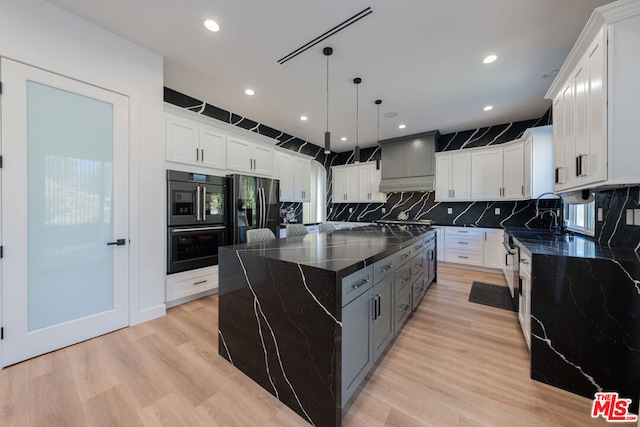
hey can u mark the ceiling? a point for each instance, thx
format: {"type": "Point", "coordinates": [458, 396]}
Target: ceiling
{"type": "Point", "coordinates": [423, 58]}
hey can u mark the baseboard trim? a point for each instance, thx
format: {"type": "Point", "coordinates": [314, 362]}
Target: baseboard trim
{"type": "Point", "coordinates": [152, 313]}
{"type": "Point", "coordinates": [470, 267]}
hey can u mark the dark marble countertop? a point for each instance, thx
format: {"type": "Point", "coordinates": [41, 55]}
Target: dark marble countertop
{"type": "Point", "coordinates": [342, 251]}
{"type": "Point", "coordinates": [541, 242]}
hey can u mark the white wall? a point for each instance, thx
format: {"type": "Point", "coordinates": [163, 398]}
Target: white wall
{"type": "Point", "coordinates": [42, 35]}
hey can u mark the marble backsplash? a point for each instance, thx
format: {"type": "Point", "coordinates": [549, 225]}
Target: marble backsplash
{"type": "Point", "coordinates": [612, 230]}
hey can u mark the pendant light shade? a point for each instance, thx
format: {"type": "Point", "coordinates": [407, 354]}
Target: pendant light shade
{"type": "Point", "coordinates": [356, 152]}
{"type": "Point", "coordinates": [327, 135]}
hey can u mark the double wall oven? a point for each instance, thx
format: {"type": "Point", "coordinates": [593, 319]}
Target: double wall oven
{"type": "Point", "coordinates": [196, 220]}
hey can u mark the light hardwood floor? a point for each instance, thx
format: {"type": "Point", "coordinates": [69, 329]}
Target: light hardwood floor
{"type": "Point", "coordinates": [454, 364]}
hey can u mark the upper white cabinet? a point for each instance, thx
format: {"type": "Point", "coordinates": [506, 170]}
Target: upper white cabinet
{"type": "Point", "coordinates": [194, 143]}
{"type": "Point", "coordinates": [357, 183]}
{"type": "Point", "coordinates": [249, 157]}
{"type": "Point", "coordinates": [595, 103]}
{"type": "Point", "coordinates": [294, 173]}
{"type": "Point", "coordinates": [538, 161]}
{"type": "Point", "coordinates": [453, 176]}
{"type": "Point", "coordinates": [497, 173]}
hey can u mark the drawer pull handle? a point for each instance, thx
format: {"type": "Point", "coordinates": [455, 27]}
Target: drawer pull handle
{"type": "Point", "coordinates": [404, 256]}
{"type": "Point", "coordinates": [417, 248]}
{"type": "Point", "coordinates": [362, 283]}
{"type": "Point", "coordinates": [460, 231]}
{"type": "Point", "coordinates": [200, 282]}
{"type": "Point", "coordinates": [463, 257]}
{"type": "Point", "coordinates": [404, 307]}
{"type": "Point", "coordinates": [405, 279]}
{"type": "Point", "coordinates": [463, 243]}
{"type": "Point", "coordinates": [386, 268]}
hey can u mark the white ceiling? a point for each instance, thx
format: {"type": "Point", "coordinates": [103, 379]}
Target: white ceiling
{"type": "Point", "coordinates": [423, 58]}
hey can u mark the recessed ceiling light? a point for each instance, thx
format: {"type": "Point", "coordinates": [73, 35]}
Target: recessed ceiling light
{"type": "Point", "coordinates": [488, 108]}
{"type": "Point", "coordinates": [489, 59]}
{"type": "Point", "coordinates": [211, 25]}
{"type": "Point", "coordinates": [344, 138]}
{"type": "Point", "coordinates": [391, 115]}
{"type": "Point", "coordinates": [249, 92]}
{"type": "Point", "coordinates": [402, 126]}
{"type": "Point", "coordinates": [304, 118]}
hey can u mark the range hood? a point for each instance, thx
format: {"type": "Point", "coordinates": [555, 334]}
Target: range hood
{"type": "Point", "coordinates": [409, 162]}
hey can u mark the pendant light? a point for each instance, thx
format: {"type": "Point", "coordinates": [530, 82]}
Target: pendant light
{"type": "Point", "coordinates": [327, 135]}
{"type": "Point", "coordinates": [356, 153]}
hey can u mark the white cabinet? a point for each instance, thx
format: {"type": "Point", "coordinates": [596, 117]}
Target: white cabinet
{"type": "Point", "coordinates": [486, 174]}
{"type": "Point", "coordinates": [194, 143]}
{"type": "Point", "coordinates": [189, 285]}
{"type": "Point", "coordinates": [294, 173]}
{"type": "Point", "coordinates": [369, 183]}
{"type": "Point", "coordinates": [497, 173]}
{"type": "Point", "coordinates": [524, 301]}
{"type": "Point", "coordinates": [493, 249]}
{"type": "Point", "coordinates": [440, 243]}
{"type": "Point", "coordinates": [595, 101]}
{"type": "Point", "coordinates": [538, 161]}
{"type": "Point", "coordinates": [249, 157]}
{"type": "Point", "coordinates": [357, 183]}
{"type": "Point", "coordinates": [453, 176]}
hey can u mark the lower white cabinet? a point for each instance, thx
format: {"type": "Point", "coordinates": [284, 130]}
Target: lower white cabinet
{"type": "Point", "coordinates": [524, 309]}
{"type": "Point", "coordinates": [478, 247]}
{"type": "Point", "coordinates": [493, 249]}
{"type": "Point", "coordinates": [189, 285]}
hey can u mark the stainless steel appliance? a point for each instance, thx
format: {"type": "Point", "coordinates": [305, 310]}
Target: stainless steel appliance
{"type": "Point", "coordinates": [253, 203]}
{"type": "Point", "coordinates": [196, 220]}
{"type": "Point", "coordinates": [511, 268]}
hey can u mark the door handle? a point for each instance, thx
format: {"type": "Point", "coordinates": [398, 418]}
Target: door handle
{"type": "Point", "coordinates": [119, 242]}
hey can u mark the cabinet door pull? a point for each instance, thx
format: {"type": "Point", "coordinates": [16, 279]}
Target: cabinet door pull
{"type": "Point", "coordinates": [200, 282]}
{"type": "Point", "coordinates": [202, 154]}
{"type": "Point", "coordinates": [578, 173]}
{"type": "Point", "coordinates": [362, 283]}
{"type": "Point", "coordinates": [379, 306]}
{"type": "Point", "coordinates": [522, 191]}
{"type": "Point", "coordinates": [453, 193]}
{"type": "Point", "coordinates": [374, 311]}
{"type": "Point", "coordinates": [197, 155]}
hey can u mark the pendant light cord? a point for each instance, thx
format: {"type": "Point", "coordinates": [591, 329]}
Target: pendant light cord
{"type": "Point", "coordinates": [327, 93]}
{"type": "Point", "coordinates": [357, 113]}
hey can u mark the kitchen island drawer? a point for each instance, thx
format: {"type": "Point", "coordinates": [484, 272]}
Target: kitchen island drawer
{"type": "Point", "coordinates": [402, 308]}
{"type": "Point", "coordinates": [402, 280]}
{"type": "Point", "coordinates": [464, 232]}
{"type": "Point", "coordinates": [465, 257]}
{"type": "Point", "coordinates": [384, 268]}
{"type": "Point", "coordinates": [356, 284]}
{"type": "Point", "coordinates": [417, 265]}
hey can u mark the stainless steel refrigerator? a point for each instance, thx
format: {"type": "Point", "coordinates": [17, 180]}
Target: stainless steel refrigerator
{"type": "Point", "coordinates": [252, 203]}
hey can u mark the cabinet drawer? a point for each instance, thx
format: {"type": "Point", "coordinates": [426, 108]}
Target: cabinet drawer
{"type": "Point", "coordinates": [464, 257]}
{"type": "Point", "coordinates": [401, 257]}
{"type": "Point", "coordinates": [464, 231]}
{"type": "Point", "coordinates": [356, 284]}
{"type": "Point", "coordinates": [417, 265]}
{"type": "Point", "coordinates": [402, 309]}
{"type": "Point", "coordinates": [419, 288]}
{"type": "Point", "coordinates": [383, 268]}
{"type": "Point", "coordinates": [465, 243]}
{"type": "Point", "coordinates": [187, 284]}
{"type": "Point", "coordinates": [402, 280]}
{"type": "Point", "coordinates": [429, 238]}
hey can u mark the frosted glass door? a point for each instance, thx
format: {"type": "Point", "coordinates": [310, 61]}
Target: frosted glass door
{"type": "Point", "coordinates": [65, 202]}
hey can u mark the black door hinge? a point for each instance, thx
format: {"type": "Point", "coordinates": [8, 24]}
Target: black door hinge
{"type": "Point", "coordinates": [1, 333]}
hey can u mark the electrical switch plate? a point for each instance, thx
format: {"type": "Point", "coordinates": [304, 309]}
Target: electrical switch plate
{"type": "Point", "coordinates": [600, 215]}
{"type": "Point", "coordinates": [629, 216]}
{"type": "Point", "coordinates": [384, 210]}
{"type": "Point", "coordinates": [636, 216]}
{"type": "Point", "coordinates": [449, 211]}
{"type": "Point", "coordinates": [350, 210]}
{"type": "Point", "coordinates": [497, 211]}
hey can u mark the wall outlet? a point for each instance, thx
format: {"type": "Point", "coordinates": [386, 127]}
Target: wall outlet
{"type": "Point", "coordinates": [600, 215]}
{"type": "Point", "coordinates": [629, 216]}
{"type": "Point", "coordinates": [497, 211]}
{"type": "Point", "coordinates": [449, 211]}
{"type": "Point", "coordinates": [636, 216]}
{"type": "Point", "coordinates": [350, 210]}
{"type": "Point", "coordinates": [384, 210]}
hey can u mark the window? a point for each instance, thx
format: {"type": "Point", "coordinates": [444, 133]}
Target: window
{"type": "Point", "coordinates": [582, 218]}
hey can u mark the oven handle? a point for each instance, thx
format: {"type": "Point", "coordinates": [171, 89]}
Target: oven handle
{"type": "Point", "coordinates": [184, 230]}
{"type": "Point", "coordinates": [198, 203]}
{"type": "Point", "coordinates": [204, 203]}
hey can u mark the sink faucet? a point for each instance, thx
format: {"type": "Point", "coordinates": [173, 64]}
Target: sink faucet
{"type": "Point", "coordinates": [557, 213]}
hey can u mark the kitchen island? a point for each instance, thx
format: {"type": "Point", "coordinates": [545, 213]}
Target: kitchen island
{"type": "Point", "coordinates": [307, 317]}
{"type": "Point", "coordinates": [584, 322]}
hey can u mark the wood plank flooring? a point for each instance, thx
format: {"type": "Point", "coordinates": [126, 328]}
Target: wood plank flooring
{"type": "Point", "coordinates": [455, 363]}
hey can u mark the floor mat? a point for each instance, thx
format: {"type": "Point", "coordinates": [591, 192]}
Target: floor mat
{"type": "Point", "coordinates": [491, 295]}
